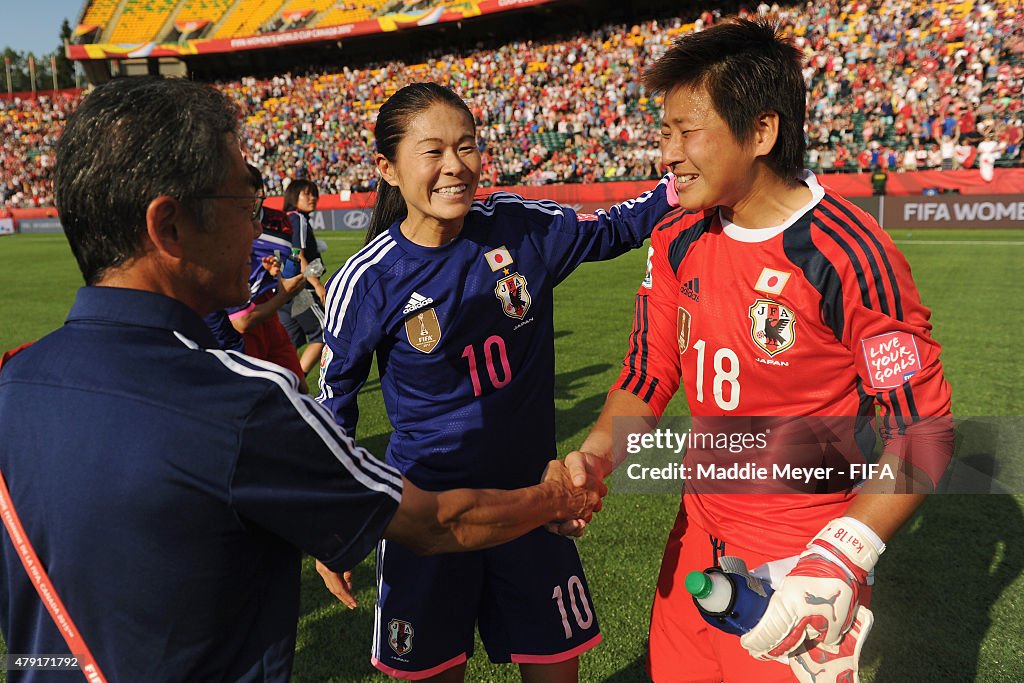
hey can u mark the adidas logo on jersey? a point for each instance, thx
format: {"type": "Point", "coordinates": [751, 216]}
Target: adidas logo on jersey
{"type": "Point", "coordinates": [416, 302]}
{"type": "Point", "coordinates": [692, 289]}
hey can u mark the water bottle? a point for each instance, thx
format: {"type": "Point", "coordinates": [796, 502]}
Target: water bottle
{"type": "Point", "coordinates": [733, 601]}
{"type": "Point", "coordinates": [291, 266]}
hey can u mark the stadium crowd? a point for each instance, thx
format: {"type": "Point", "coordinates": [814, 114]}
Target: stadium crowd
{"type": "Point", "coordinates": [899, 84]}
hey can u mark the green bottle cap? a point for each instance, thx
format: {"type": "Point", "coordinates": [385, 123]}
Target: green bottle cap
{"type": "Point", "coordinates": [698, 584]}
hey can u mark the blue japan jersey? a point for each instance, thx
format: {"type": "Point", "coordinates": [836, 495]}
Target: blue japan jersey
{"type": "Point", "coordinates": [464, 335]}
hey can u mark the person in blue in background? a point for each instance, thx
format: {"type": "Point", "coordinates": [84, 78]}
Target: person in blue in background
{"type": "Point", "coordinates": [254, 328]}
{"type": "Point", "coordinates": [454, 296]}
{"type": "Point", "coordinates": [304, 319]}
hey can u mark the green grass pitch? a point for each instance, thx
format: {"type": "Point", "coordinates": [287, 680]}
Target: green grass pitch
{"type": "Point", "coordinates": [948, 603]}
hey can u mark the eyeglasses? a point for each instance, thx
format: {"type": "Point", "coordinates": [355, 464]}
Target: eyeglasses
{"type": "Point", "coordinates": [257, 201]}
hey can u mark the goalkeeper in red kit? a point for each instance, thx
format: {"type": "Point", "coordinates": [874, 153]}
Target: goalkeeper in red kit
{"type": "Point", "coordinates": [769, 295]}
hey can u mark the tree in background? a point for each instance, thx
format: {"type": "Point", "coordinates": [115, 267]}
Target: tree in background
{"type": "Point", "coordinates": [17, 65]}
{"type": "Point", "coordinates": [65, 67]}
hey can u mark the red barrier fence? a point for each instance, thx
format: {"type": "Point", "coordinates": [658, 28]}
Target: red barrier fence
{"type": "Point", "coordinates": [1008, 182]}
{"type": "Point", "coordinates": [595, 195]}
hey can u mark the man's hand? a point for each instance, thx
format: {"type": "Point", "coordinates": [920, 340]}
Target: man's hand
{"type": "Point", "coordinates": [582, 500]}
{"type": "Point", "coordinates": [839, 664]}
{"type": "Point", "coordinates": [588, 471]}
{"type": "Point", "coordinates": [340, 585]}
{"type": "Point", "coordinates": [818, 601]}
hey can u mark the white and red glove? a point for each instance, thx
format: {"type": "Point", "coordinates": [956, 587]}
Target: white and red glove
{"type": "Point", "coordinates": [835, 664]}
{"type": "Point", "coordinates": [818, 600]}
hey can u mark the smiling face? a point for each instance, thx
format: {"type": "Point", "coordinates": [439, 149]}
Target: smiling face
{"type": "Point", "coordinates": [218, 250]}
{"type": "Point", "coordinates": [436, 168]}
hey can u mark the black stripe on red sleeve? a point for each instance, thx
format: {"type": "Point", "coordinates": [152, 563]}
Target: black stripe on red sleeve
{"type": "Point", "coordinates": [819, 271]}
{"type": "Point", "coordinates": [865, 422]}
{"type": "Point", "coordinates": [637, 380]}
{"type": "Point", "coordinates": [682, 242]}
{"type": "Point", "coordinates": [847, 225]}
{"type": "Point", "coordinates": [851, 223]}
{"type": "Point", "coordinates": [644, 349]}
{"type": "Point", "coordinates": [897, 411]}
{"type": "Point", "coordinates": [908, 392]}
{"type": "Point", "coordinates": [858, 268]}
{"type": "Point", "coordinates": [650, 391]}
{"type": "Point", "coordinates": [671, 218]}
{"type": "Point", "coordinates": [634, 345]}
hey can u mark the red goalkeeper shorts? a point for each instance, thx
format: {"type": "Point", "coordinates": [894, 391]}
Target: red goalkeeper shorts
{"type": "Point", "coordinates": [683, 647]}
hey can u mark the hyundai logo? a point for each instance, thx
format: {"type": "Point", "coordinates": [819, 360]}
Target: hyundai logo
{"type": "Point", "coordinates": [356, 220]}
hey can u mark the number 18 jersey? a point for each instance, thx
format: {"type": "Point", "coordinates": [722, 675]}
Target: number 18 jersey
{"type": "Point", "coordinates": [815, 317]}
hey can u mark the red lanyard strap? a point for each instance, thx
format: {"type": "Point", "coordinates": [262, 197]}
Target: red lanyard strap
{"type": "Point", "coordinates": [43, 585]}
{"type": "Point", "coordinates": [41, 580]}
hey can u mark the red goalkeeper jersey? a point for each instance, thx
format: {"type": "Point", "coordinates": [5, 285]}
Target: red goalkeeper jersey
{"type": "Point", "coordinates": [815, 317]}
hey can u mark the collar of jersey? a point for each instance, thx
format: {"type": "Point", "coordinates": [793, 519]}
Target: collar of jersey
{"type": "Point", "coordinates": [754, 235]}
{"type": "Point", "coordinates": [139, 308]}
{"type": "Point", "coordinates": [411, 247]}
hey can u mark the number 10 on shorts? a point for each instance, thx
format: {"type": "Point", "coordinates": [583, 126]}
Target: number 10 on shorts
{"type": "Point", "coordinates": [577, 602]}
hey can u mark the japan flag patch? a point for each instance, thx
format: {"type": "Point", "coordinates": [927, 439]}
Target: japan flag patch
{"type": "Point", "coordinates": [498, 258]}
{"type": "Point", "coordinates": [771, 281]}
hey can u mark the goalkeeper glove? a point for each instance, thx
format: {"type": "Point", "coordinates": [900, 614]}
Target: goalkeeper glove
{"type": "Point", "coordinates": [837, 664]}
{"type": "Point", "coordinates": [818, 599]}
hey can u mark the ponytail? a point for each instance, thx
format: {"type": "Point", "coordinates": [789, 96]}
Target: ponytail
{"type": "Point", "coordinates": [389, 207]}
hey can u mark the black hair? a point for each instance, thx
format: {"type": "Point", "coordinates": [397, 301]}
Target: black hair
{"type": "Point", "coordinates": [747, 68]}
{"type": "Point", "coordinates": [130, 141]}
{"type": "Point", "coordinates": [392, 124]}
{"type": "Point", "coordinates": [295, 188]}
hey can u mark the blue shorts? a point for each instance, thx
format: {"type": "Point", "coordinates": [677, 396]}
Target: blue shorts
{"type": "Point", "coordinates": [529, 598]}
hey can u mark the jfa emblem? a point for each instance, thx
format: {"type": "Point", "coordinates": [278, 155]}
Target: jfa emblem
{"type": "Point", "coordinates": [511, 292]}
{"type": "Point", "coordinates": [400, 635]}
{"type": "Point", "coordinates": [773, 326]}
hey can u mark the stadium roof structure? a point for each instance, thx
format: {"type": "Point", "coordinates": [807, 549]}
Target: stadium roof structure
{"type": "Point", "coordinates": [199, 31]}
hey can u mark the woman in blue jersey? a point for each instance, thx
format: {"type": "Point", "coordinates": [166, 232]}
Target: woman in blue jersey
{"type": "Point", "coordinates": [454, 296]}
{"type": "Point", "coordinates": [304, 319]}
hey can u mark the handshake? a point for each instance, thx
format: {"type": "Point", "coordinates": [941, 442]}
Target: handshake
{"type": "Point", "coordinates": [580, 478]}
